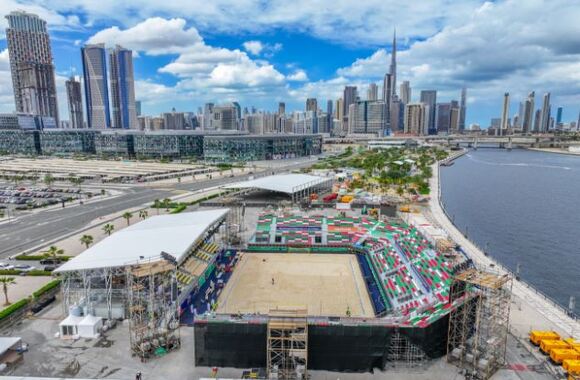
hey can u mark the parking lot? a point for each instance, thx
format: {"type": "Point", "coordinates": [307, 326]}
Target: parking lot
{"type": "Point", "coordinates": [26, 197]}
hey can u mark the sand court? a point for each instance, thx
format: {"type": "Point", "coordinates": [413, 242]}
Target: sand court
{"type": "Point", "coordinates": [326, 284]}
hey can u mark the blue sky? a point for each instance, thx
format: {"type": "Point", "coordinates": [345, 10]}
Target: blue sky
{"type": "Point", "coordinates": [188, 52]}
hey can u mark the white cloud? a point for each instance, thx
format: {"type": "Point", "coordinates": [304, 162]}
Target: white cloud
{"type": "Point", "coordinates": [204, 71]}
{"type": "Point", "coordinates": [155, 36]}
{"type": "Point", "coordinates": [298, 76]}
{"type": "Point", "coordinates": [253, 47]}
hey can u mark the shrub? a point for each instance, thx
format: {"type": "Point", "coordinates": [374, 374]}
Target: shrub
{"type": "Point", "coordinates": [13, 308]}
{"type": "Point", "coordinates": [24, 257]}
{"type": "Point", "coordinates": [180, 207]}
{"type": "Point", "coordinates": [51, 285]}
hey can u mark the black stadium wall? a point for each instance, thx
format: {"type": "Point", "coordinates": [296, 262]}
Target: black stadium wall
{"type": "Point", "coordinates": [345, 348]}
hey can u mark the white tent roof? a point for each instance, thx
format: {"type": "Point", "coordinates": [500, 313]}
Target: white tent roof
{"type": "Point", "coordinates": [7, 343]}
{"type": "Point", "coordinates": [71, 320]}
{"type": "Point", "coordinates": [90, 320]}
{"type": "Point", "coordinates": [143, 241]}
{"type": "Point", "coordinates": [283, 183]}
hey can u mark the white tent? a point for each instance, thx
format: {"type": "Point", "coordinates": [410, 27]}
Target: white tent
{"type": "Point", "coordinates": [69, 327]}
{"type": "Point", "coordinates": [89, 327]}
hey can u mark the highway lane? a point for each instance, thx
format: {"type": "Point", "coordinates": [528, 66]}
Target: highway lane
{"type": "Point", "coordinates": [30, 230]}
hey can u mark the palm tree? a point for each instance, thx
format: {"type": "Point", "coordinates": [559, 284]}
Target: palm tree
{"type": "Point", "coordinates": [48, 179]}
{"type": "Point", "coordinates": [87, 240]}
{"type": "Point", "coordinates": [54, 251]}
{"type": "Point", "coordinates": [156, 205]}
{"type": "Point", "coordinates": [128, 217]}
{"type": "Point", "coordinates": [108, 228]}
{"type": "Point", "coordinates": [6, 281]}
{"type": "Point", "coordinates": [143, 214]}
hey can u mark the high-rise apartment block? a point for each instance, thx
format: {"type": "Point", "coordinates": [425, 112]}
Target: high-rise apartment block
{"type": "Point", "coordinates": [31, 65]}
{"type": "Point", "coordinates": [429, 98]}
{"type": "Point", "coordinates": [75, 103]}
{"type": "Point", "coordinates": [122, 88]}
{"type": "Point", "coordinates": [94, 59]}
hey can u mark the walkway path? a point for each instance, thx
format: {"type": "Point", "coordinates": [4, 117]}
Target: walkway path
{"type": "Point", "coordinates": [531, 309]}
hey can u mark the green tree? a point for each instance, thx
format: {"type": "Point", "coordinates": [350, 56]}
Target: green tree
{"type": "Point", "coordinates": [87, 240]}
{"type": "Point", "coordinates": [108, 228]}
{"type": "Point", "coordinates": [127, 216]}
{"type": "Point", "coordinates": [143, 214]}
{"type": "Point", "coordinates": [54, 251]}
{"type": "Point", "coordinates": [48, 179]}
{"type": "Point", "coordinates": [6, 282]}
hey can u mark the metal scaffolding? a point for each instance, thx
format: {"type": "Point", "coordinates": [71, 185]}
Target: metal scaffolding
{"type": "Point", "coordinates": [402, 353]}
{"type": "Point", "coordinates": [153, 308]}
{"type": "Point", "coordinates": [287, 345]}
{"type": "Point", "coordinates": [478, 329]}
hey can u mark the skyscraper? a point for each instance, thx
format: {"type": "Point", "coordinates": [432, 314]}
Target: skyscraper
{"type": "Point", "coordinates": [329, 114]}
{"type": "Point", "coordinates": [393, 68]}
{"type": "Point", "coordinates": [311, 105]}
{"type": "Point", "coordinates": [348, 98]}
{"type": "Point", "coordinates": [416, 118]}
{"type": "Point", "coordinates": [31, 65]}
{"type": "Point", "coordinates": [122, 88]}
{"type": "Point", "coordinates": [538, 121]}
{"type": "Point", "coordinates": [443, 124]}
{"type": "Point", "coordinates": [527, 121]}
{"type": "Point", "coordinates": [96, 87]}
{"type": "Point", "coordinates": [505, 114]}
{"type": "Point", "coordinates": [429, 97]}
{"type": "Point", "coordinates": [405, 92]}
{"type": "Point", "coordinates": [559, 115]}
{"type": "Point", "coordinates": [281, 108]}
{"type": "Point", "coordinates": [545, 118]}
{"type": "Point", "coordinates": [138, 107]}
{"type": "Point", "coordinates": [373, 92]}
{"type": "Point", "coordinates": [387, 97]}
{"type": "Point", "coordinates": [462, 110]}
{"type": "Point", "coordinates": [75, 103]}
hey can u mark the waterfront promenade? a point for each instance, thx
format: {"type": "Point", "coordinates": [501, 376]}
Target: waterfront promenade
{"type": "Point", "coordinates": [530, 308]}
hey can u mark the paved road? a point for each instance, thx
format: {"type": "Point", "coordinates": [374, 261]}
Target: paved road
{"type": "Point", "coordinates": [30, 230]}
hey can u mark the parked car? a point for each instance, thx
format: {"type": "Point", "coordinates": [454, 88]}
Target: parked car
{"type": "Point", "coordinates": [24, 267]}
{"type": "Point", "coordinates": [4, 266]}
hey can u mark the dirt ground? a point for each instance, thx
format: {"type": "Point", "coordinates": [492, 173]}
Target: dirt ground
{"type": "Point", "coordinates": [325, 284]}
{"type": "Point", "coordinates": [23, 287]}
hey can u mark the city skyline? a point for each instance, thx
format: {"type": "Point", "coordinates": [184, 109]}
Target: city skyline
{"type": "Point", "coordinates": [184, 63]}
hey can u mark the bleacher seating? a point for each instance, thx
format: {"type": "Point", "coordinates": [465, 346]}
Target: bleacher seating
{"type": "Point", "coordinates": [401, 269]}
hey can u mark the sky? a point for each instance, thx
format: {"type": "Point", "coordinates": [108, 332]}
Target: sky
{"type": "Point", "coordinates": [256, 52]}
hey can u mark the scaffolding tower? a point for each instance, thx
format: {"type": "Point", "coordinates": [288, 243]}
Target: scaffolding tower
{"type": "Point", "coordinates": [478, 329]}
{"type": "Point", "coordinates": [287, 345]}
{"type": "Point", "coordinates": [402, 353]}
{"type": "Point", "coordinates": [153, 308]}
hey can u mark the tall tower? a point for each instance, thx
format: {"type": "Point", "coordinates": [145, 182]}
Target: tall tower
{"type": "Point", "coordinates": [31, 65]}
{"type": "Point", "coordinates": [405, 92]}
{"type": "Point", "coordinates": [527, 121]}
{"type": "Point", "coordinates": [393, 68]}
{"type": "Point", "coordinates": [462, 110]}
{"type": "Point", "coordinates": [75, 102]}
{"type": "Point", "coordinates": [373, 92]}
{"type": "Point", "coordinates": [429, 97]}
{"type": "Point", "coordinates": [122, 88]}
{"type": "Point", "coordinates": [348, 98]}
{"type": "Point", "coordinates": [311, 104]}
{"type": "Point", "coordinates": [505, 114]}
{"type": "Point", "coordinates": [281, 108]}
{"type": "Point", "coordinates": [96, 87]}
{"type": "Point", "coordinates": [545, 118]}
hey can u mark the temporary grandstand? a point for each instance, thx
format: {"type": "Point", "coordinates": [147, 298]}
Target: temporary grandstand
{"type": "Point", "coordinates": [97, 278]}
{"type": "Point", "coordinates": [407, 282]}
{"type": "Point", "coordinates": [297, 186]}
